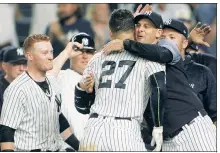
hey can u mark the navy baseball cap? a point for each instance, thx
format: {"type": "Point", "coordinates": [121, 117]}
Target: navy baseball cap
{"type": "Point", "coordinates": [153, 16]}
{"type": "Point", "coordinates": [13, 55]}
{"type": "Point", "coordinates": [86, 40]}
{"type": "Point", "coordinates": [1, 54]}
{"type": "Point", "coordinates": [177, 25]}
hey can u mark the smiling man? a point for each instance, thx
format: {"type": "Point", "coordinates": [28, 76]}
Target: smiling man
{"type": "Point", "coordinates": [31, 116]}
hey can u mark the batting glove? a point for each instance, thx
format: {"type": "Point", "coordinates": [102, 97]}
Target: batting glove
{"type": "Point", "coordinates": [157, 137]}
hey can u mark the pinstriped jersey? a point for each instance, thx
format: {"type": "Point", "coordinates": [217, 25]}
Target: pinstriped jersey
{"type": "Point", "coordinates": [67, 80]}
{"type": "Point", "coordinates": [122, 84]}
{"type": "Point", "coordinates": [28, 109]}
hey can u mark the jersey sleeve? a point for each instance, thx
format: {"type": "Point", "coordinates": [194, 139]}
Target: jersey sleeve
{"type": "Point", "coordinates": [63, 78]}
{"type": "Point", "coordinates": [54, 80]}
{"type": "Point", "coordinates": [172, 48]}
{"type": "Point", "coordinates": [153, 67]}
{"type": "Point", "coordinates": [61, 75]}
{"type": "Point", "coordinates": [13, 109]}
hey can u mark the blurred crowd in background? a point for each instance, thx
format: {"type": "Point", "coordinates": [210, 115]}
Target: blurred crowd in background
{"type": "Point", "coordinates": [20, 20]}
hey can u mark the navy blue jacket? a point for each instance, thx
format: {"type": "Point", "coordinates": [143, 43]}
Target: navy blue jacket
{"type": "Point", "coordinates": [203, 83]}
{"type": "Point", "coordinates": [207, 60]}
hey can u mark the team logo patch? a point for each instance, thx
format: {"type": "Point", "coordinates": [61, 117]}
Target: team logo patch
{"type": "Point", "coordinates": [148, 13]}
{"type": "Point", "coordinates": [20, 52]}
{"type": "Point", "coordinates": [168, 22]}
{"type": "Point", "coordinates": [192, 85]}
{"type": "Point", "coordinates": [85, 41]}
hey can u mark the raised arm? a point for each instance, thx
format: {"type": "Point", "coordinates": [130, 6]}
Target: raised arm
{"type": "Point", "coordinates": [141, 10]}
{"type": "Point", "coordinates": [152, 52]}
{"type": "Point", "coordinates": [70, 51]}
{"type": "Point", "coordinates": [198, 34]}
{"type": "Point", "coordinates": [164, 51]}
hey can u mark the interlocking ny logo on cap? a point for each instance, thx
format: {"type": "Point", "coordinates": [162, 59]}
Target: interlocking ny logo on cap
{"type": "Point", "coordinates": [168, 22]}
{"type": "Point", "coordinates": [85, 41]}
{"type": "Point", "coordinates": [148, 13]}
{"type": "Point", "coordinates": [20, 52]}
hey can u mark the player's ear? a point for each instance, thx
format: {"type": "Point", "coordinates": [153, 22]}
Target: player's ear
{"type": "Point", "coordinates": [185, 44]}
{"type": "Point", "coordinates": [4, 66]}
{"type": "Point", "coordinates": [111, 35]}
{"type": "Point", "coordinates": [28, 55]}
{"type": "Point", "coordinates": [159, 33]}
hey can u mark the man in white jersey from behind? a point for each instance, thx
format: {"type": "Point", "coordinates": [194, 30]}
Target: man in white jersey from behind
{"type": "Point", "coordinates": [123, 84]}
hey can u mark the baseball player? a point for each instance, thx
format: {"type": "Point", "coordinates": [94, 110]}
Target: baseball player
{"type": "Point", "coordinates": [207, 133]}
{"type": "Point", "coordinates": [31, 119]}
{"type": "Point", "coordinates": [115, 116]}
{"type": "Point", "coordinates": [13, 64]}
{"type": "Point", "coordinates": [184, 112]}
{"type": "Point", "coordinates": [70, 77]}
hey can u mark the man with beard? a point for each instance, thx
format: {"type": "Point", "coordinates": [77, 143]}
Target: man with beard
{"type": "Point", "coordinates": [70, 23]}
{"type": "Point", "coordinates": [31, 118]}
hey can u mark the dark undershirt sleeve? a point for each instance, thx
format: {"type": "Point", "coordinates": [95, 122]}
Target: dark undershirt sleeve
{"type": "Point", "coordinates": [163, 52]}
{"type": "Point", "coordinates": [83, 100]}
{"type": "Point", "coordinates": [6, 135]}
{"type": "Point", "coordinates": [158, 97]}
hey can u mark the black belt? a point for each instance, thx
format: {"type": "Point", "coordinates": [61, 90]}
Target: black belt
{"type": "Point", "coordinates": [95, 115]}
{"type": "Point", "coordinates": [202, 112]}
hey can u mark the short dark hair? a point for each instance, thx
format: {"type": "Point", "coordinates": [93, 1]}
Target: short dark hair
{"type": "Point", "coordinates": [121, 20]}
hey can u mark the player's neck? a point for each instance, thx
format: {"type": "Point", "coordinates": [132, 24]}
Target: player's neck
{"type": "Point", "coordinates": [155, 41]}
{"type": "Point", "coordinates": [123, 36]}
{"type": "Point", "coordinates": [8, 78]}
{"type": "Point", "coordinates": [182, 54]}
{"type": "Point", "coordinates": [36, 75]}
